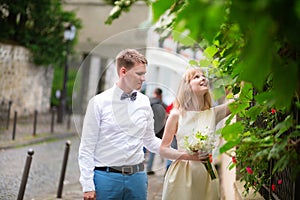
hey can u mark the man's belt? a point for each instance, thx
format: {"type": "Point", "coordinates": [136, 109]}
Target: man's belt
{"type": "Point", "coordinates": [126, 169]}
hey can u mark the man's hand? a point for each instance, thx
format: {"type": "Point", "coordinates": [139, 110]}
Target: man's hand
{"type": "Point", "coordinates": [89, 195]}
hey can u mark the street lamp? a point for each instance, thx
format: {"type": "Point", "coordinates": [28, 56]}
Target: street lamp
{"type": "Point", "coordinates": [69, 35]}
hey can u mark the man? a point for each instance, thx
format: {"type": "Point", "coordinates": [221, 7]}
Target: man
{"type": "Point", "coordinates": [159, 111]}
{"type": "Point", "coordinates": [117, 124]}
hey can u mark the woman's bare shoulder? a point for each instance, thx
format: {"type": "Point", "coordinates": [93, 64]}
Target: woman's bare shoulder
{"type": "Point", "coordinates": [174, 113]}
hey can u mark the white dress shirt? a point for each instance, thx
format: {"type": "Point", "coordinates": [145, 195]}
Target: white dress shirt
{"type": "Point", "coordinates": [114, 133]}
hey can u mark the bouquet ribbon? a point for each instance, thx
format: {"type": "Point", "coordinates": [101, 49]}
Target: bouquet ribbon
{"type": "Point", "coordinates": [209, 169]}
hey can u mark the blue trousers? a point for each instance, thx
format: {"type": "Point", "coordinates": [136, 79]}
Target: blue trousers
{"type": "Point", "coordinates": [117, 186]}
{"type": "Point", "coordinates": [150, 161]}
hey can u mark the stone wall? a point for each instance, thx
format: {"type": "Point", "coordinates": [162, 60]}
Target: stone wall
{"type": "Point", "coordinates": [27, 85]}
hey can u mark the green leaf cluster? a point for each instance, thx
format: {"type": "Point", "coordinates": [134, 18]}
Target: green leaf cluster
{"type": "Point", "coordinates": [57, 85]}
{"type": "Point", "coordinates": [249, 42]}
{"type": "Point", "coordinates": [38, 26]}
{"type": "Point", "coordinates": [119, 6]}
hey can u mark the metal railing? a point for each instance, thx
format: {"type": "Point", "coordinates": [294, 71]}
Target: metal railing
{"type": "Point", "coordinates": [5, 114]}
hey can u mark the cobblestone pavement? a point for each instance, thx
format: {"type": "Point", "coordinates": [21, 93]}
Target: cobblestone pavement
{"type": "Point", "coordinates": [42, 183]}
{"type": "Point", "coordinates": [44, 171]}
{"type": "Point", "coordinates": [73, 191]}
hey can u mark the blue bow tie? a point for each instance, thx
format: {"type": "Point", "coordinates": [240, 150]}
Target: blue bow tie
{"type": "Point", "coordinates": [132, 96]}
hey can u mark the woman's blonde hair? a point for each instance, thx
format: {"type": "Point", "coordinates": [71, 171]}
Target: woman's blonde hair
{"type": "Point", "coordinates": [185, 94]}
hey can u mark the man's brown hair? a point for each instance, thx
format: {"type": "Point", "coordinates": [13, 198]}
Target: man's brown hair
{"type": "Point", "coordinates": [129, 57]}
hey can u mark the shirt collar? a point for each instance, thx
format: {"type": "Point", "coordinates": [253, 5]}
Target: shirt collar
{"type": "Point", "coordinates": [118, 91]}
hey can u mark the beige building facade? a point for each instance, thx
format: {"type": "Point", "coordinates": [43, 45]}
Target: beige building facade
{"type": "Point", "coordinates": [93, 14]}
{"type": "Point", "coordinates": [98, 44]}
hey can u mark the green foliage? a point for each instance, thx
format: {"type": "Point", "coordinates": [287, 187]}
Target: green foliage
{"type": "Point", "coordinates": [119, 7]}
{"type": "Point", "coordinates": [256, 43]}
{"type": "Point", "coordinates": [269, 139]}
{"type": "Point", "coordinates": [38, 26]}
{"type": "Point", "coordinates": [248, 42]}
{"type": "Point", "coordinates": [58, 83]}
{"type": "Point", "coordinates": [110, 2]}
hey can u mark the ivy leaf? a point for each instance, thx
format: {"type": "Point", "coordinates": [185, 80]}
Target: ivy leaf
{"type": "Point", "coordinates": [265, 98]}
{"type": "Point", "coordinates": [295, 134]}
{"type": "Point", "coordinates": [283, 126]}
{"type": "Point", "coordinates": [275, 152]}
{"type": "Point", "coordinates": [290, 83]}
{"type": "Point", "coordinates": [229, 145]}
{"type": "Point", "coordinates": [205, 24]}
{"type": "Point", "coordinates": [253, 112]}
{"type": "Point", "coordinates": [232, 131]}
{"type": "Point", "coordinates": [183, 39]}
{"type": "Point", "coordinates": [205, 63]}
{"type": "Point", "coordinates": [246, 134]}
{"type": "Point", "coordinates": [193, 63]}
{"type": "Point", "coordinates": [262, 154]}
{"type": "Point", "coordinates": [231, 166]}
{"type": "Point", "coordinates": [282, 163]}
{"type": "Point", "coordinates": [159, 7]}
{"type": "Point", "coordinates": [238, 107]}
{"type": "Point", "coordinates": [256, 62]}
{"type": "Point", "coordinates": [246, 92]}
{"type": "Point", "coordinates": [210, 52]}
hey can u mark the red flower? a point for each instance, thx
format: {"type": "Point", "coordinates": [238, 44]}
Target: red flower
{"type": "Point", "coordinates": [273, 111]}
{"type": "Point", "coordinates": [279, 181]}
{"type": "Point", "coordinates": [273, 187]}
{"type": "Point", "coordinates": [210, 158]}
{"type": "Point", "coordinates": [234, 159]}
{"type": "Point", "coordinates": [249, 170]}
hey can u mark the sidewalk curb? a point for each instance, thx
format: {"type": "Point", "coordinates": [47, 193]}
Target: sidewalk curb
{"type": "Point", "coordinates": [70, 192]}
{"type": "Point", "coordinates": [47, 137]}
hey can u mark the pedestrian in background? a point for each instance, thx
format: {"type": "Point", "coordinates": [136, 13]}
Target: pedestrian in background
{"type": "Point", "coordinates": [117, 124]}
{"type": "Point", "coordinates": [159, 112]}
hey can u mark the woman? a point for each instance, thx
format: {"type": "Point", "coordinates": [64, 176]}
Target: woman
{"type": "Point", "coordinates": [187, 177]}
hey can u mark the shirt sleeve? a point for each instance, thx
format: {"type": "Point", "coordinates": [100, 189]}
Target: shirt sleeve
{"type": "Point", "coordinates": [151, 142]}
{"type": "Point", "coordinates": [87, 147]}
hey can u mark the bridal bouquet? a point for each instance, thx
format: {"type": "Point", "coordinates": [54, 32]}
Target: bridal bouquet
{"type": "Point", "coordinates": [201, 142]}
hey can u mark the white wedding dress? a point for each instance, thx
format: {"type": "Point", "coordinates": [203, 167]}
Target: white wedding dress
{"type": "Point", "coordinates": [189, 180]}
